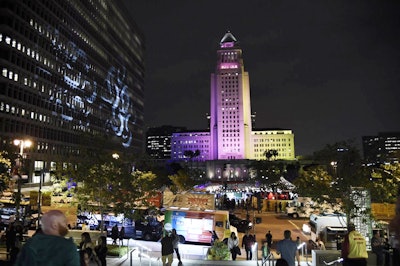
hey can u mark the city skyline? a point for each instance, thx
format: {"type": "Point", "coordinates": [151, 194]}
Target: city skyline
{"type": "Point", "coordinates": [326, 70]}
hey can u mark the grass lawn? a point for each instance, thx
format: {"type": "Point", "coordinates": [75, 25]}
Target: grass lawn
{"type": "Point", "coordinates": [117, 251]}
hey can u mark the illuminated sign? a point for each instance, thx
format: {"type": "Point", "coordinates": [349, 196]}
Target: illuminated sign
{"type": "Point", "coordinates": [192, 200]}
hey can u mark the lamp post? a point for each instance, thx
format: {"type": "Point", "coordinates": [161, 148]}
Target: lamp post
{"type": "Point", "coordinates": [42, 176]}
{"type": "Point", "coordinates": [22, 144]}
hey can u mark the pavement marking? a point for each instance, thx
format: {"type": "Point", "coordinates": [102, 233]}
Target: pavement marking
{"type": "Point", "coordinates": [290, 221]}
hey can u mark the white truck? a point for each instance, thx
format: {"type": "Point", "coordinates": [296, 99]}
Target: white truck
{"type": "Point", "coordinates": [330, 228]}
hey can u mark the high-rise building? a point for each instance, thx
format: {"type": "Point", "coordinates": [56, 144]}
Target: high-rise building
{"type": "Point", "coordinates": [158, 141]}
{"type": "Point", "coordinates": [384, 148]}
{"type": "Point", "coordinates": [231, 136]}
{"type": "Point", "coordinates": [70, 69]}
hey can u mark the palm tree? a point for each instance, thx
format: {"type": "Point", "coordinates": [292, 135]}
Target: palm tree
{"type": "Point", "coordinates": [270, 153]}
{"type": "Point", "coordinates": [191, 154]}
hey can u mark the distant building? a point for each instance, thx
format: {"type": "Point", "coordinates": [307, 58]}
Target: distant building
{"type": "Point", "coordinates": [231, 136]}
{"type": "Point", "coordinates": [158, 141]}
{"type": "Point", "coordinates": [383, 148]}
{"type": "Point", "coordinates": [70, 71]}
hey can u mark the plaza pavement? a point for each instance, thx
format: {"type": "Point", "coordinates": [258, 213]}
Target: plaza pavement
{"type": "Point", "coordinates": [149, 253]}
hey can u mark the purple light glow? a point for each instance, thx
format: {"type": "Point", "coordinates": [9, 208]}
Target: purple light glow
{"type": "Point", "coordinates": [228, 66]}
{"type": "Point", "coordinates": [227, 44]}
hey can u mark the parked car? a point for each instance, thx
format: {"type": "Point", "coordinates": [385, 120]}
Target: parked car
{"type": "Point", "coordinates": [146, 229]}
{"type": "Point", "coordinates": [241, 225]}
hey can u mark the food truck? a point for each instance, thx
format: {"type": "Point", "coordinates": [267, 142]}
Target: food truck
{"type": "Point", "coordinates": [198, 226]}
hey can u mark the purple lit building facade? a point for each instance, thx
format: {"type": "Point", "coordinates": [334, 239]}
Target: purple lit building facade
{"type": "Point", "coordinates": [231, 137]}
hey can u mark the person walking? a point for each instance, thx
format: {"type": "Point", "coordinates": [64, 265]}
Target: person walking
{"type": "Point", "coordinates": [121, 236]}
{"type": "Point", "coordinates": [114, 234]}
{"type": "Point", "coordinates": [50, 247]}
{"type": "Point", "coordinates": [354, 248]}
{"type": "Point", "coordinates": [377, 245]}
{"type": "Point", "coordinates": [288, 249]}
{"type": "Point", "coordinates": [175, 242]}
{"type": "Point", "coordinates": [268, 237]}
{"type": "Point", "coordinates": [247, 243]}
{"type": "Point", "coordinates": [167, 249]}
{"type": "Point", "coordinates": [11, 236]}
{"type": "Point", "coordinates": [233, 245]}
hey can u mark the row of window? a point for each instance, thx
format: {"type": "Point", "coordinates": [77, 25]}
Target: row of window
{"type": "Point", "coordinates": [272, 145]}
{"type": "Point", "coordinates": [229, 57]}
{"type": "Point", "coordinates": [273, 140]}
{"type": "Point", "coordinates": [9, 127]}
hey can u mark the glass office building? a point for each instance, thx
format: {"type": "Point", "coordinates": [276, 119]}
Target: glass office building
{"type": "Point", "coordinates": [71, 70]}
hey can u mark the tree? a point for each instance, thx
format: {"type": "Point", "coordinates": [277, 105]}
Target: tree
{"type": "Point", "coordinates": [383, 183]}
{"type": "Point", "coordinates": [5, 165]}
{"type": "Point", "coordinates": [326, 182]}
{"type": "Point", "coordinates": [108, 182]}
{"type": "Point", "coordinates": [191, 154]}
{"type": "Point", "coordinates": [270, 153]}
{"type": "Point", "coordinates": [181, 181]}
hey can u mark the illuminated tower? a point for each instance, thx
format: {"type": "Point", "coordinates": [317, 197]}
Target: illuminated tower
{"type": "Point", "coordinates": [230, 122]}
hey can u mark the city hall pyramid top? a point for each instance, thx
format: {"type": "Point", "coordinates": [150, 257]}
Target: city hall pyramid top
{"type": "Point", "coordinates": [228, 40]}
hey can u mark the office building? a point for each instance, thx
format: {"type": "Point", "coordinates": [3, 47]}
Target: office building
{"type": "Point", "coordinates": [70, 71]}
{"type": "Point", "coordinates": [231, 136]}
{"type": "Point", "coordinates": [158, 141]}
{"type": "Point", "coordinates": [383, 148]}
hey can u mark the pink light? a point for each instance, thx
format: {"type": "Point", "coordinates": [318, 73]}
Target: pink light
{"type": "Point", "coordinates": [228, 66]}
{"type": "Point", "coordinates": [227, 44]}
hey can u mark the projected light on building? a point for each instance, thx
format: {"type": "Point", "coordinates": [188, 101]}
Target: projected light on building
{"type": "Point", "coordinates": [77, 103]}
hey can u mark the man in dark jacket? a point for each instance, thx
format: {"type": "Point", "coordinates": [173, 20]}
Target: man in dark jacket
{"type": "Point", "coordinates": [248, 242]}
{"type": "Point", "coordinates": [50, 247]}
{"type": "Point", "coordinates": [167, 249]}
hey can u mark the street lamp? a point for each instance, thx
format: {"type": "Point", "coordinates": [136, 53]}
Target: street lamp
{"type": "Point", "coordinates": [22, 144]}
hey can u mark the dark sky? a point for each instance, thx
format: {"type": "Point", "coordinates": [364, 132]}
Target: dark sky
{"type": "Point", "coordinates": [328, 70]}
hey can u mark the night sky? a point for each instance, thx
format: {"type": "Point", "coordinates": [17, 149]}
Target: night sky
{"type": "Point", "coordinates": [328, 70]}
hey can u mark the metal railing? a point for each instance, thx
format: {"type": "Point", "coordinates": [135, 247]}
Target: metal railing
{"type": "Point", "coordinates": [270, 259]}
{"type": "Point", "coordinates": [335, 262]}
{"type": "Point", "coordinates": [303, 251]}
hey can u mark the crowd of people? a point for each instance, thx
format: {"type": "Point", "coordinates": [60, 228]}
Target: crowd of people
{"type": "Point", "coordinates": [49, 246]}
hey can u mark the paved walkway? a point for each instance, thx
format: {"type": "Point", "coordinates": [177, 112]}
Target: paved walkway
{"type": "Point", "coordinates": [149, 253]}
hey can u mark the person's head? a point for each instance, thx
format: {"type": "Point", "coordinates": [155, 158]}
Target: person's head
{"type": "Point", "coordinates": [85, 237]}
{"type": "Point", "coordinates": [287, 234]}
{"type": "Point", "coordinates": [54, 222]}
{"type": "Point", "coordinates": [233, 235]}
{"type": "Point", "coordinates": [174, 231]}
{"type": "Point", "coordinates": [281, 262]}
{"type": "Point", "coordinates": [351, 227]}
{"type": "Point", "coordinates": [102, 241]}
